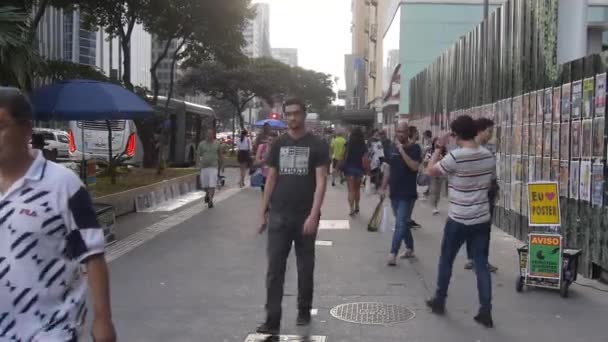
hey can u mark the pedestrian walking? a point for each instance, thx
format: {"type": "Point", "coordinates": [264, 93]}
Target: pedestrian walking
{"type": "Point", "coordinates": [355, 168]}
{"type": "Point", "coordinates": [414, 137]}
{"type": "Point", "coordinates": [403, 161]}
{"type": "Point", "coordinates": [485, 130]}
{"type": "Point", "coordinates": [262, 135]}
{"type": "Point", "coordinates": [436, 183]}
{"type": "Point", "coordinates": [376, 152]}
{"type": "Point", "coordinates": [261, 156]}
{"type": "Point", "coordinates": [470, 170]}
{"type": "Point", "coordinates": [338, 152]}
{"type": "Point", "coordinates": [50, 234]}
{"type": "Point", "coordinates": [291, 210]}
{"type": "Point", "coordinates": [210, 161]}
{"type": "Point", "coordinates": [243, 156]}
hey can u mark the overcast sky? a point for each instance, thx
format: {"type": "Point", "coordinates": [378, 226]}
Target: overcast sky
{"type": "Point", "coordinates": [319, 29]}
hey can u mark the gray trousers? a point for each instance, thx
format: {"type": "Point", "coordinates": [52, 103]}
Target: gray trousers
{"type": "Point", "coordinates": [283, 230]}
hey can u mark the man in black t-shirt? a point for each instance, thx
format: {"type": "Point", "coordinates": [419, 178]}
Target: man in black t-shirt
{"type": "Point", "coordinates": [297, 179]}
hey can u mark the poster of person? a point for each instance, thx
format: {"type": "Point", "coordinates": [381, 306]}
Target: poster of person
{"type": "Point", "coordinates": [557, 107]}
{"type": "Point", "coordinates": [532, 139]}
{"type": "Point", "coordinates": [566, 101]}
{"type": "Point", "coordinates": [516, 197]}
{"type": "Point", "coordinates": [525, 107]}
{"type": "Point", "coordinates": [516, 144]}
{"type": "Point", "coordinates": [508, 111]}
{"type": "Point", "coordinates": [506, 196]}
{"type": "Point", "coordinates": [575, 140]}
{"type": "Point", "coordinates": [585, 181]}
{"type": "Point", "coordinates": [598, 138]}
{"type": "Point", "coordinates": [516, 111]}
{"type": "Point", "coordinates": [555, 170]}
{"type": "Point", "coordinates": [555, 141]}
{"type": "Point", "coordinates": [531, 171]}
{"type": "Point", "coordinates": [525, 139]}
{"type": "Point", "coordinates": [563, 178]}
{"type": "Point", "coordinates": [538, 168]}
{"type": "Point", "coordinates": [586, 140]}
{"type": "Point", "coordinates": [546, 169]}
{"type": "Point", "coordinates": [597, 185]}
{"type": "Point", "coordinates": [564, 141]}
{"type": "Point", "coordinates": [588, 98]}
{"type": "Point", "coordinates": [539, 140]}
{"type": "Point", "coordinates": [548, 104]}
{"type": "Point", "coordinates": [505, 146]}
{"type": "Point", "coordinates": [577, 99]}
{"type": "Point", "coordinates": [600, 94]}
{"type": "Point", "coordinates": [547, 140]}
{"type": "Point", "coordinates": [574, 179]}
{"type": "Point", "coordinates": [516, 169]}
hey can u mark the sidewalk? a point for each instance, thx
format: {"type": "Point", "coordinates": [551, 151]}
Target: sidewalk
{"type": "Point", "coordinates": [203, 280]}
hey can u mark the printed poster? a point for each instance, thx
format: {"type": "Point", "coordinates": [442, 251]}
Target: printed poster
{"type": "Point", "coordinates": [555, 141]}
{"type": "Point", "coordinates": [525, 108]}
{"type": "Point", "coordinates": [586, 140]}
{"type": "Point", "coordinates": [517, 108]}
{"type": "Point", "coordinates": [600, 94]}
{"type": "Point", "coordinates": [585, 181]}
{"type": "Point", "coordinates": [516, 169]}
{"type": "Point", "coordinates": [557, 106]}
{"type": "Point", "coordinates": [566, 102]}
{"type": "Point", "coordinates": [577, 99]}
{"type": "Point", "coordinates": [545, 256]}
{"type": "Point", "coordinates": [540, 110]}
{"type": "Point", "coordinates": [563, 178]}
{"type": "Point", "coordinates": [588, 98]}
{"type": "Point", "coordinates": [543, 199]}
{"type": "Point", "coordinates": [516, 142]}
{"type": "Point", "coordinates": [564, 141]}
{"type": "Point", "coordinates": [531, 171]}
{"type": "Point", "coordinates": [532, 139]}
{"type": "Point", "coordinates": [555, 170]}
{"type": "Point", "coordinates": [548, 104]}
{"type": "Point", "coordinates": [538, 168]}
{"type": "Point", "coordinates": [539, 140]}
{"type": "Point", "coordinates": [597, 185]}
{"type": "Point", "coordinates": [516, 197]}
{"type": "Point", "coordinates": [508, 111]}
{"type": "Point", "coordinates": [598, 137]}
{"type": "Point", "coordinates": [547, 140]}
{"type": "Point", "coordinates": [574, 179]}
{"type": "Point", "coordinates": [575, 140]}
{"type": "Point", "coordinates": [546, 169]}
{"type": "Point", "coordinates": [533, 117]}
{"type": "Point", "coordinates": [525, 139]}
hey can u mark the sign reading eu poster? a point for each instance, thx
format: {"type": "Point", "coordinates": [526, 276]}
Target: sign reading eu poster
{"type": "Point", "coordinates": [545, 256]}
{"type": "Point", "coordinates": [543, 204]}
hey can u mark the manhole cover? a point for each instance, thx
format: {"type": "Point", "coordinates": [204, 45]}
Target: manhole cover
{"type": "Point", "coordinates": [372, 313]}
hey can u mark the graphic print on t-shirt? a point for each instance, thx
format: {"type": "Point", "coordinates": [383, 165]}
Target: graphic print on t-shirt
{"type": "Point", "coordinates": [294, 160]}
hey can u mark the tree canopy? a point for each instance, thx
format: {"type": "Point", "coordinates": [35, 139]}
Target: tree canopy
{"type": "Point", "coordinates": [261, 77]}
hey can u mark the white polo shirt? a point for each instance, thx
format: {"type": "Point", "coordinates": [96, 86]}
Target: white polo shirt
{"type": "Point", "coordinates": [47, 228]}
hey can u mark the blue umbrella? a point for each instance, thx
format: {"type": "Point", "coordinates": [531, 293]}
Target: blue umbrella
{"type": "Point", "coordinates": [73, 100]}
{"type": "Point", "coordinates": [276, 124]}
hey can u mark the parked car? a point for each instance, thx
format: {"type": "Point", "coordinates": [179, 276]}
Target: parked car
{"type": "Point", "coordinates": [57, 141]}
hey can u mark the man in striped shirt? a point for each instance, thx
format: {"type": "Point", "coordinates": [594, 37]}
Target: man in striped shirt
{"type": "Point", "coordinates": [470, 170]}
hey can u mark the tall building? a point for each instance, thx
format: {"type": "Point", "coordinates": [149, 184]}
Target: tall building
{"type": "Point", "coordinates": [61, 36]}
{"type": "Point", "coordinates": [288, 56]}
{"type": "Point", "coordinates": [257, 33]}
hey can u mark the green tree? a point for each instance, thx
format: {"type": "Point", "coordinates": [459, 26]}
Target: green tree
{"type": "Point", "coordinates": [52, 70]}
{"type": "Point", "coordinates": [17, 57]}
{"type": "Point", "coordinates": [315, 87]}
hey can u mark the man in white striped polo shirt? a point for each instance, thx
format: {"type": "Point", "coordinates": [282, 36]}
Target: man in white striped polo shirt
{"type": "Point", "coordinates": [470, 170]}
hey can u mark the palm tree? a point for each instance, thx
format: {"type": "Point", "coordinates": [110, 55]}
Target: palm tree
{"type": "Point", "coordinates": [17, 56]}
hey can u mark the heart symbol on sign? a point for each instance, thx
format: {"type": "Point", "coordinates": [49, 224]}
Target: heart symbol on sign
{"type": "Point", "coordinates": [550, 195]}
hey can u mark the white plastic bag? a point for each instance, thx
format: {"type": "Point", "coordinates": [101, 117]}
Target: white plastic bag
{"type": "Point", "coordinates": [385, 222]}
{"type": "Point", "coordinates": [368, 186]}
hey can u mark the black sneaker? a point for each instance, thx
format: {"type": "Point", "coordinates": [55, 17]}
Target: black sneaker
{"type": "Point", "coordinates": [210, 204]}
{"type": "Point", "coordinates": [206, 198]}
{"type": "Point", "coordinates": [303, 318]}
{"type": "Point", "coordinates": [436, 307]}
{"type": "Point", "coordinates": [485, 319]}
{"type": "Point", "coordinates": [414, 224]}
{"type": "Point", "coordinates": [268, 329]}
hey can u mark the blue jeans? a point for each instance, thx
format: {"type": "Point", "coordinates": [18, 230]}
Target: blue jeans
{"type": "Point", "coordinates": [477, 236]}
{"type": "Point", "coordinates": [403, 213]}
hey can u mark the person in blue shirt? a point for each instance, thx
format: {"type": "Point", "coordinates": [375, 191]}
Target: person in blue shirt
{"type": "Point", "coordinates": [403, 161]}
